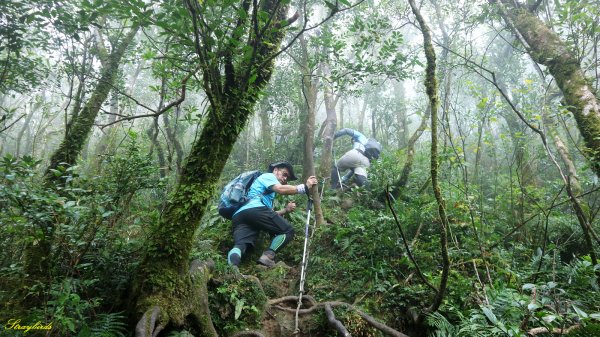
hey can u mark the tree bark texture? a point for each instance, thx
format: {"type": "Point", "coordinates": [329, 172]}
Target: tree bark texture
{"type": "Point", "coordinates": [547, 48]}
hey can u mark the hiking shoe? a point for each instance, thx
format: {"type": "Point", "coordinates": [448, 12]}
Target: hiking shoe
{"type": "Point", "coordinates": [267, 259]}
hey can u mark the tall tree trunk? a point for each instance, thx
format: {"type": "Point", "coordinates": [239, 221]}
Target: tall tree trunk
{"type": "Point", "coordinates": [105, 142]}
{"type": "Point", "coordinates": [310, 85]}
{"type": "Point", "coordinates": [547, 48]}
{"type": "Point", "coordinates": [363, 112]}
{"type": "Point", "coordinates": [25, 127]}
{"type": "Point", "coordinates": [574, 189]}
{"type": "Point", "coordinates": [265, 126]}
{"type": "Point", "coordinates": [374, 120]}
{"type": "Point", "coordinates": [163, 283]}
{"type": "Point", "coordinates": [401, 118]}
{"type": "Point", "coordinates": [171, 129]}
{"type": "Point", "coordinates": [517, 129]}
{"type": "Point", "coordinates": [342, 106]}
{"type": "Point", "coordinates": [81, 126]}
{"type": "Point", "coordinates": [410, 144]}
{"type": "Point", "coordinates": [328, 130]}
{"type": "Point", "coordinates": [152, 133]}
{"type": "Point", "coordinates": [410, 155]}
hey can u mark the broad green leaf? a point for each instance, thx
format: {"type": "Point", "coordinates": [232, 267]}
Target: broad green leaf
{"type": "Point", "coordinates": [580, 312]}
{"type": "Point", "coordinates": [239, 305]}
{"type": "Point", "coordinates": [490, 315]}
{"type": "Point", "coordinates": [549, 318]}
{"type": "Point", "coordinates": [528, 286]}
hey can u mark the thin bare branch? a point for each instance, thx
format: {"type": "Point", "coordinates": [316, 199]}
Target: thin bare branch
{"type": "Point", "coordinates": [11, 124]}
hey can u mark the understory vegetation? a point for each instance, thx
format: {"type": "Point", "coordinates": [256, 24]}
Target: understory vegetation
{"type": "Point", "coordinates": [500, 281]}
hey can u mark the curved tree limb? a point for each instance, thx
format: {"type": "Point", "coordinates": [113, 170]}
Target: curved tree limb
{"type": "Point", "coordinates": [155, 113]}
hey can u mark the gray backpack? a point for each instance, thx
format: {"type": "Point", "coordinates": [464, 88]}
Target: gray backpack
{"type": "Point", "coordinates": [372, 149]}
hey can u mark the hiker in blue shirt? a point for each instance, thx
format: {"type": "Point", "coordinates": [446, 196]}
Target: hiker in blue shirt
{"type": "Point", "coordinates": [258, 213]}
{"type": "Point", "coordinates": [357, 160]}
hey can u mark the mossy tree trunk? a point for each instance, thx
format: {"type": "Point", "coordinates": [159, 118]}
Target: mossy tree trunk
{"type": "Point", "coordinates": [81, 126]}
{"type": "Point", "coordinates": [431, 87]}
{"type": "Point", "coordinates": [547, 48]}
{"type": "Point", "coordinates": [233, 81]}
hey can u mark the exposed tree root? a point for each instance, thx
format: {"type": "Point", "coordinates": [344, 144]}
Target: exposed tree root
{"type": "Point", "coordinates": [248, 333]}
{"type": "Point", "coordinates": [190, 305]}
{"type": "Point", "coordinates": [276, 304]}
{"type": "Point", "coordinates": [334, 322]}
{"type": "Point", "coordinates": [147, 324]}
{"type": "Point", "coordinates": [555, 331]}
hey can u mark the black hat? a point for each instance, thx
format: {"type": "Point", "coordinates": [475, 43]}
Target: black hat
{"type": "Point", "coordinates": [286, 165]}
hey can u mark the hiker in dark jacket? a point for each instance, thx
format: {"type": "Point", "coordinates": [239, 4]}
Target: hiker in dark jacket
{"type": "Point", "coordinates": [258, 213]}
{"type": "Point", "coordinates": [355, 161]}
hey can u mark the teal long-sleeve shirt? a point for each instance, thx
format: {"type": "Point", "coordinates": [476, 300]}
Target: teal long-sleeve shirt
{"type": "Point", "coordinates": [358, 139]}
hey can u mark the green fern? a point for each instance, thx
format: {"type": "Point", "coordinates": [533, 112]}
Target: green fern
{"type": "Point", "coordinates": [442, 327]}
{"type": "Point", "coordinates": [108, 325]}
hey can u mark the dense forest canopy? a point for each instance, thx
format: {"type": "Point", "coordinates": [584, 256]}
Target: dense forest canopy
{"type": "Point", "coordinates": [122, 121]}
